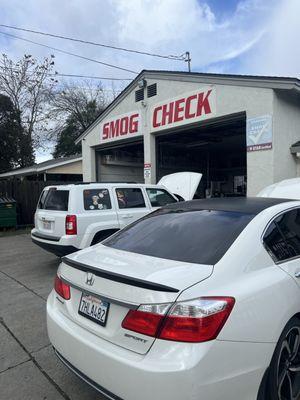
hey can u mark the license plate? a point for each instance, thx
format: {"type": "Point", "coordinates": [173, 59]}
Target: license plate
{"type": "Point", "coordinates": [47, 225]}
{"type": "Point", "coordinates": [93, 308]}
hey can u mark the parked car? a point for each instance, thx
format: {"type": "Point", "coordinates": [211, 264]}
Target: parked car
{"type": "Point", "coordinates": [72, 217]}
{"type": "Point", "coordinates": [286, 189]}
{"type": "Point", "coordinates": [197, 300]}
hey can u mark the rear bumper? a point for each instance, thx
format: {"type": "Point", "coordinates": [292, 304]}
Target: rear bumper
{"type": "Point", "coordinates": [54, 247]}
{"type": "Point", "coordinates": [170, 370]}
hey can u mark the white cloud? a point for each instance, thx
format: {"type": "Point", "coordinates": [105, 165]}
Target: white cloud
{"type": "Point", "coordinates": [163, 26]}
{"type": "Point", "coordinates": [259, 37]}
{"type": "Point", "coordinates": [278, 52]}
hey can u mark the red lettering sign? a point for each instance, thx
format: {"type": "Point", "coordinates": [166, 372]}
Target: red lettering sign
{"type": "Point", "coordinates": [193, 106]}
{"type": "Point", "coordinates": [122, 126]}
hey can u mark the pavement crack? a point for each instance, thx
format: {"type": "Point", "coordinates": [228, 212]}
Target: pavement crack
{"type": "Point", "coordinates": [32, 358]}
{"type": "Point", "coordinates": [14, 366]}
{"type": "Point", "coordinates": [22, 284]}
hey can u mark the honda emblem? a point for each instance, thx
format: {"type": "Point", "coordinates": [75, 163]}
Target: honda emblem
{"type": "Point", "coordinates": [90, 278]}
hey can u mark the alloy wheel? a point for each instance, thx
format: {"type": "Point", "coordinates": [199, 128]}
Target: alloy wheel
{"type": "Point", "coordinates": [288, 369]}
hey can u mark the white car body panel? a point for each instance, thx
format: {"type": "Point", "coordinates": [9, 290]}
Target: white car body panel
{"type": "Point", "coordinates": [286, 189]}
{"type": "Point", "coordinates": [176, 371]}
{"type": "Point", "coordinates": [89, 222]}
{"type": "Point", "coordinates": [267, 296]}
{"type": "Point", "coordinates": [183, 183]}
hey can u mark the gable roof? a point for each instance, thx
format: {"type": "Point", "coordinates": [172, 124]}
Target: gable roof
{"type": "Point", "coordinates": [271, 82]}
{"type": "Point", "coordinates": [42, 167]}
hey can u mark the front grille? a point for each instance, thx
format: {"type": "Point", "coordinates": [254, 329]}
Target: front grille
{"type": "Point", "coordinates": [86, 379]}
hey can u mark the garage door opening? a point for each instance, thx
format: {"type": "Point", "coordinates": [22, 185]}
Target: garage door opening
{"type": "Point", "coordinates": [123, 163]}
{"type": "Point", "coordinates": [217, 150]}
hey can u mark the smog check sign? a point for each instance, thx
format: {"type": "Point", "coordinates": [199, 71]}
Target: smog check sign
{"type": "Point", "coordinates": [123, 126]}
{"type": "Point", "coordinates": [185, 109]}
{"type": "Point", "coordinates": [182, 110]}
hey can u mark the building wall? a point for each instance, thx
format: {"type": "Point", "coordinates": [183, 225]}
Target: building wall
{"type": "Point", "coordinates": [262, 166]}
{"type": "Point", "coordinates": [71, 168]}
{"type": "Point", "coordinates": [286, 133]}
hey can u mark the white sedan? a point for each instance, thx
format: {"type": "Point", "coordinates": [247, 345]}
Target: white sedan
{"type": "Point", "coordinates": [196, 301]}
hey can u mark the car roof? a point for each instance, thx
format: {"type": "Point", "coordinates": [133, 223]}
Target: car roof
{"type": "Point", "coordinates": [91, 185]}
{"type": "Point", "coordinates": [247, 205]}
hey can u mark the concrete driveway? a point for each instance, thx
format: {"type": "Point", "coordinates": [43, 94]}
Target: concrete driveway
{"type": "Point", "coordinates": [29, 370]}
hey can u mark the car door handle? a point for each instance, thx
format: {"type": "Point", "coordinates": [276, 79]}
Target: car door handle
{"type": "Point", "coordinates": [297, 274]}
{"type": "Point", "coordinates": [127, 216]}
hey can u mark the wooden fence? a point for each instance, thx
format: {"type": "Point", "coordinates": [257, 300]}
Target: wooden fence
{"type": "Point", "coordinates": [26, 193]}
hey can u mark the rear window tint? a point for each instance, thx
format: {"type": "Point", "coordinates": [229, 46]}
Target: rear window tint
{"type": "Point", "coordinates": [130, 198]}
{"type": "Point", "coordinates": [200, 236]}
{"type": "Point", "coordinates": [282, 237]}
{"type": "Point", "coordinates": [96, 199]}
{"type": "Point", "coordinates": [56, 200]}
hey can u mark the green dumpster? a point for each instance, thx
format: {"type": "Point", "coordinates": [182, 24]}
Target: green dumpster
{"type": "Point", "coordinates": [8, 212]}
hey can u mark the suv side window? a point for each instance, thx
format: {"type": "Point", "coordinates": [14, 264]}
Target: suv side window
{"type": "Point", "coordinates": [96, 199]}
{"type": "Point", "coordinates": [130, 198]}
{"type": "Point", "coordinates": [282, 238]}
{"type": "Point", "coordinates": [159, 197]}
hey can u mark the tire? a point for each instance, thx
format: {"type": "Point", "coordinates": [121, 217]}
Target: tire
{"type": "Point", "coordinates": [283, 381]}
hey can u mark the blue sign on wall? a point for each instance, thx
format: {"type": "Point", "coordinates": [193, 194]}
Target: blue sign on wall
{"type": "Point", "coordinates": [259, 133]}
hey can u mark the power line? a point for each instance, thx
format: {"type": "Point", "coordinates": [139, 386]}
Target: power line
{"type": "Point", "coordinates": [69, 53]}
{"type": "Point", "coordinates": [181, 57]}
{"type": "Point", "coordinates": [107, 78]}
{"type": "Point", "coordinates": [91, 77]}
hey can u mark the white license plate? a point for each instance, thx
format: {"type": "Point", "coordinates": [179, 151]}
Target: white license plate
{"type": "Point", "coordinates": [93, 308]}
{"type": "Point", "coordinates": [47, 225]}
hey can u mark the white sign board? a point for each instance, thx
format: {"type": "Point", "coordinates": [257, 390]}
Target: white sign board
{"type": "Point", "coordinates": [259, 133]}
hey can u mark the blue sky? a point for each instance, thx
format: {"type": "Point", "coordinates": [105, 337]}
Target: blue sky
{"type": "Point", "coordinates": [222, 8]}
{"type": "Point", "coordinates": [224, 36]}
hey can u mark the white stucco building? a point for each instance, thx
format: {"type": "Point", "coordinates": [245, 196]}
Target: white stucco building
{"type": "Point", "coordinates": [236, 130]}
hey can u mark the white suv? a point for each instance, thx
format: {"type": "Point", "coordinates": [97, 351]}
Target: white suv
{"type": "Point", "coordinates": [72, 217]}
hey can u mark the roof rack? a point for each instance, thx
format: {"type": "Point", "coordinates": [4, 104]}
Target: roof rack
{"type": "Point", "coordinates": [88, 183]}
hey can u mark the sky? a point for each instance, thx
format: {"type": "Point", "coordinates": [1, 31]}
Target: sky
{"type": "Point", "coordinates": [258, 37]}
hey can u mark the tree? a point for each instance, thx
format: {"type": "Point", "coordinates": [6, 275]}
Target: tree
{"type": "Point", "coordinates": [29, 85]}
{"type": "Point", "coordinates": [65, 145]}
{"type": "Point", "coordinates": [77, 108]}
{"type": "Point", "coordinates": [15, 150]}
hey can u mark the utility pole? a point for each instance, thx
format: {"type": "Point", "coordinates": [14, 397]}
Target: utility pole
{"type": "Point", "coordinates": [188, 60]}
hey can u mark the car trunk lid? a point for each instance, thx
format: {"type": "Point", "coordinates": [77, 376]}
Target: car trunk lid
{"type": "Point", "coordinates": [124, 280]}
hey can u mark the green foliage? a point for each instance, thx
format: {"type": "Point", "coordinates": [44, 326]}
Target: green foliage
{"type": "Point", "coordinates": [65, 145]}
{"type": "Point", "coordinates": [15, 144]}
{"type": "Point", "coordinates": [75, 124]}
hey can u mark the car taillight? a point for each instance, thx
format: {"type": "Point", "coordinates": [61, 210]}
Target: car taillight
{"type": "Point", "coordinates": [62, 288]}
{"type": "Point", "coordinates": [146, 319]}
{"type": "Point", "coordinates": [198, 320]}
{"type": "Point", "coordinates": [71, 225]}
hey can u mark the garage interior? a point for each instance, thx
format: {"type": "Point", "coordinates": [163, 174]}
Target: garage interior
{"type": "Point", "coordinates": [121, 163]}
{"type": "Point", "coordinates": [217, 150]}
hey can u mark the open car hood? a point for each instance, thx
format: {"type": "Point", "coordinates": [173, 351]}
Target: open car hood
{"type": "Point", "coordinates": [183, 184]}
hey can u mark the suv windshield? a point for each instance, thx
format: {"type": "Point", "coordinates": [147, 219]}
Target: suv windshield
{"type": "Point", "coordinates": [54, 199]}
{"type": "Point", "coordinates": [201, 236]}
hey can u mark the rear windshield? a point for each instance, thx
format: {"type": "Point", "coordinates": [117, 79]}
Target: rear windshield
{"type": "Point", "coordinates": [201, 236]}
{"type": "Point", "coordinates": [53, 199]}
